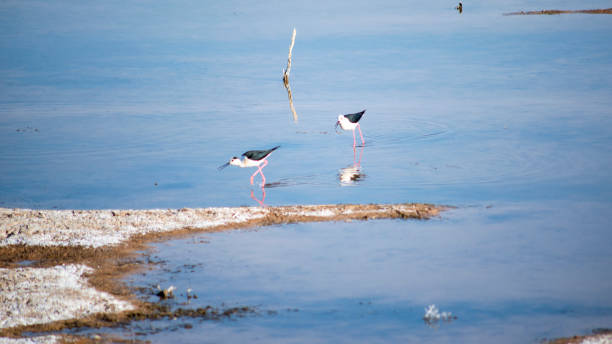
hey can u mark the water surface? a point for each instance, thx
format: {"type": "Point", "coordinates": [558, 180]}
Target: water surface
{"type": "Point", "coordinates": [104, 107]}
{"type": "Point", "coordinates": [508, 274]}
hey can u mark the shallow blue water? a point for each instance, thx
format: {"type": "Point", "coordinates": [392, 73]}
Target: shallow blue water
{"type": "Point", "coordinates": [509, 275]}
{"type": "Point", "coordinates": [100, 103]}
{"type": "Point", "coordinates": [134, 105]}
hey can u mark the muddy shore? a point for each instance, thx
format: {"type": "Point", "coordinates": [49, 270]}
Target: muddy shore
{"type": "Point", "coordinates": [63, 268]}
{"type": "Point", "coordinates": [554, 12]}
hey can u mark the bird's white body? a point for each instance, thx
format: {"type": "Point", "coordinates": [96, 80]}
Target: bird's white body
{"type": "Point", "coordinates": [345, 123]}
{"type": "Point", "coordinates": [246, 162]}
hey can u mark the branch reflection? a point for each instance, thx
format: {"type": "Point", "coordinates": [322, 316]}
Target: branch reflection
{"type": "Point", "coordinates": [288, 87]}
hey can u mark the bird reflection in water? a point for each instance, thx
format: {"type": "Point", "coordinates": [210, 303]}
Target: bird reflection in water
{"type": "Point", "coordinates": [351, 175]}
{"type": "Point", "coordinates": [263, 197]}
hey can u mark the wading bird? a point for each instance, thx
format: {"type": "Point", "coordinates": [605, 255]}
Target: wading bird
{"type": "Point", "coordinates": [253, 158]}
{"type": "Point", "coordinates": [459, 8]}
{"type": "Point", "coordinates": [349, 122]}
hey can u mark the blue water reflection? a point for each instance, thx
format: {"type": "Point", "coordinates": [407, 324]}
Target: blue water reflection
{"type": "Point", "coordinates": [510, 274]}
{"type": "Point", "coordinates": [461, 108]}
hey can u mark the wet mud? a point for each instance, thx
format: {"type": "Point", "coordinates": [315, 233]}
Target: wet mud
{"type": "Point", "coordinates": [554, 12]}
{"type": "Point", "coordinates": [599, 336]}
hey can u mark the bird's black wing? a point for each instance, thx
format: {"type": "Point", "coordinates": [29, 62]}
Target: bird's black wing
{"type": "Point", "coordinates": [259, 154]}
{"type": "Point", "coordinates": [355, 117]}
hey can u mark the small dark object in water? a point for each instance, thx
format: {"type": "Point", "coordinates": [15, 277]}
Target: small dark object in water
{"type": "Point", "coordinates": [166, 293]}
{"type": "Point", "coordinates": [459, 7]}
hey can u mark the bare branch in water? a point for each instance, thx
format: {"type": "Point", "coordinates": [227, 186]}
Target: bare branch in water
{"type": "Point", "coordinates": [286, 78]}
{"type": "Point", "coordinates": [288, 70]}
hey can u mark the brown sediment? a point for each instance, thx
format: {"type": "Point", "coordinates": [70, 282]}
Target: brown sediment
{"type": "Point", "coordinates": [99, 228]}
{"type": "Point", "coordinates": [135, 229]}
{"type": "Point", "coordinates": [600, 336]}
{"type": "Point", "coordinates": [553, 12]}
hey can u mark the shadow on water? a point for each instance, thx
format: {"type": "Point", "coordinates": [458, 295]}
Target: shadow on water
{"type": "Point", "coordinates": [295, 181]}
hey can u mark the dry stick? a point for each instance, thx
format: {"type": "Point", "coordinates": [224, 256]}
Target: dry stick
{"type": "Point", "coordinates": [286, 78]}
{"type": "Point", "coordinates": [288, 70]}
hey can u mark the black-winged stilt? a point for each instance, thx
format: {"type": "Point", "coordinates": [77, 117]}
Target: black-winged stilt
{"type": "Point", "coordinates": [349, 122]}
{"type": "Point", "coordinates": [253, 158]}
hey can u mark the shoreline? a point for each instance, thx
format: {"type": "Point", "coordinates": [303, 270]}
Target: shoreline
{"type": "Point", "coordinates": [556, 12]}
{"type": "Point", "coordinates": [101, 228]}
{"type": "Point", "coordinates": [72, 262]}
{"type": "Point", "coordinates": [88, 252]}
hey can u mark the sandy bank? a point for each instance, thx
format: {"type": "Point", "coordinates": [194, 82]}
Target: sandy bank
{"type": "Point", "coordinates": [603, 338]}
{"type": "Point", "coordinates": [39, 295]}
{"type": "Point", "coordinates": [78, 257]}
{"type": "Point", "coordinates": [97, 228]}
{"type": "Point", "coordinates": [34, 340]}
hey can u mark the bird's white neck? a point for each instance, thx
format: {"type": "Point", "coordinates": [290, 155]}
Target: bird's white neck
{"type": "Point", "coordinates": [345, 123]}
{"type": "Point", "coordinates": [238, 162]}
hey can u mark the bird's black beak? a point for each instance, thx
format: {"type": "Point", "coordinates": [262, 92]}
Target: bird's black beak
{"type": "Point", "coordinates": [223, 166]}
{"type": "Point", "coordinates": [336, 126]}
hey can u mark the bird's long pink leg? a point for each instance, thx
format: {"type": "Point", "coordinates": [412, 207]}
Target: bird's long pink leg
{"type": "Point", "coordinates": [354, 140]}
{"type": "Point", "coordinates": [263, 178]}
{"type": "Point", "coordinates": [254, 174]}
{"type": "Point", "coordinates": [360, 134]}
{"type": "Point", "coordinates": [259, 170]}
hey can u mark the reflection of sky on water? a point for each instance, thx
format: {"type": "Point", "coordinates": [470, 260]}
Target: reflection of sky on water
{"type": "Point", "coordinates": [461, 108]}
{"type": "Point", "coordinates": [474, 255]}
{"type": "Point", "coordinates": [487, 265]}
